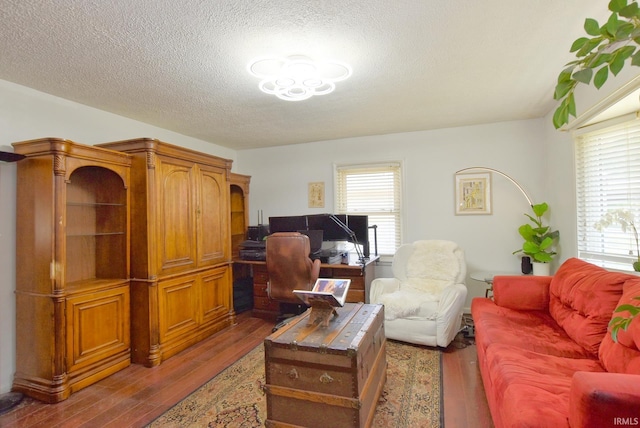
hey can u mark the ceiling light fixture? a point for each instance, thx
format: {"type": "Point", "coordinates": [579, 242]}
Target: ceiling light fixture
{"type": "Point", "coordinates": [297, 78]}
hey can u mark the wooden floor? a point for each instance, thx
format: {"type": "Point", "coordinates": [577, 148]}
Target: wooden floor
{"type": "Point", "coordinates": [137, 395]}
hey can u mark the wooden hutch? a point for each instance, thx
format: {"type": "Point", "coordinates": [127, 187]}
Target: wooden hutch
{"type": "Point", "coordinates": [181, 286]}
{"type": "Point", "coordinates": [239, 203]}
{"type": "Point", "coordinates": [72, 274]}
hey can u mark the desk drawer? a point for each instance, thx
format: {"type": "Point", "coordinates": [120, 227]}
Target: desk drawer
{"type": "Point", "coordinates": [260, 275]}
{"type": "Point", "coordinates": [355, 296]}
{"type": "Point", "coordinates": [265, 304]}
{"type": "Point", "coordinates": [356, 288]}
{"type": "Point", "coordinates": [260, 290]}
{"type": "Point", "coordinates": [349, 273]}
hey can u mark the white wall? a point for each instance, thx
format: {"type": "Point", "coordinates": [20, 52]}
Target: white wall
{"type": "Point", "coordinates": [280, 176]}
{"type": "Point", "coordinates": [560, 185]}
{"type": "Point", "coordinates": [27, 114]}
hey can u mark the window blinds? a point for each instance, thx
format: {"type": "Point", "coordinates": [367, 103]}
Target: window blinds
{"type": "Point", "coordinates": [373, 190]}
{"type": "Point", "coordinates": [608, 179]}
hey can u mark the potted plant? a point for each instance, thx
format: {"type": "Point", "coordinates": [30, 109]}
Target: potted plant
{"type": "Point", "coordinates": [626, 220]}
{"type": "Point", "coordinates": [605, 51]}
{"type": "Point", "coordinates": [539, 240]}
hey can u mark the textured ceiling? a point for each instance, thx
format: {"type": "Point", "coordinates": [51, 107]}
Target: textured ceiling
{"type": "Point", "coordinates": [181, 64]}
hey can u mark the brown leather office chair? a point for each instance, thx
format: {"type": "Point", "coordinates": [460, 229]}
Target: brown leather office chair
{"type": "Point", "coordinates": [290, 268]}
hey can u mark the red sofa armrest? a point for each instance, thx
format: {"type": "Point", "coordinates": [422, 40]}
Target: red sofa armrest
{"type": "Point", "coordinates": [604, 399]}
{"type": "Point", "coordinates": [519, 292]}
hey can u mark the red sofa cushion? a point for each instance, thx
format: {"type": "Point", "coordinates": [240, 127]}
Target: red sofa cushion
{"type": "Point", "coordinates": [533, 388]}
{"type": "Point", "coordinates": [624, 356]}
{"type": "Point", "coordinates": [582, 298]}
{"type": "Point", "coordinates": [532, 330]}
{"type": "Point", "coordinates": [523, 293]}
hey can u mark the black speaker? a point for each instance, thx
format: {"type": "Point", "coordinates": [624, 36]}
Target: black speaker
{"type": "Point", "coordinates": [526, 265]}
{"type": "Point", "coordinates": [257, 233]}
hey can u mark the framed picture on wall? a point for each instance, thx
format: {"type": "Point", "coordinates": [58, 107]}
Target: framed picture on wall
{"type": "Point", "coordinates": [473, 193]}
{"type": "Point", "coordinates": [316, 194]}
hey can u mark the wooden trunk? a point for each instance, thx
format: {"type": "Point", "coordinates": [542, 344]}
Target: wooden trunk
{"type": "Point", "coordinates": [327, 376]}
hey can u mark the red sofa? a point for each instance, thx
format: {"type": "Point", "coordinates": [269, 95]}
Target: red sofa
{"type": "Point", "coordinates": [545, 355]}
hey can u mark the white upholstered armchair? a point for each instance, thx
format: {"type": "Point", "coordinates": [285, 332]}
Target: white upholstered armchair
{"type": "Point", "coordinates": [423, 303]}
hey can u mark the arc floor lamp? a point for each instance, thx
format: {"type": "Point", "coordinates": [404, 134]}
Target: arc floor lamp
{"type": "Point", "coordinates": [515, 183]}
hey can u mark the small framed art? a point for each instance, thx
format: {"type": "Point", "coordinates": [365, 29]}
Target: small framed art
{"type": "Point", "coordinates": [473, 193]}
{"type": "Point", "coordinates": [316, 194]}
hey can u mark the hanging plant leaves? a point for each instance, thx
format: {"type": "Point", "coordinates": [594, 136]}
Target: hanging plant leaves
{"type": "Point", "coordinates": [583, 76]}
{"type": "Point", "coordinates": [612, 44]}
{"type": "Point", "coordinates": [592, 27]}
{"type": "Point", "coordinates": [601, 77]}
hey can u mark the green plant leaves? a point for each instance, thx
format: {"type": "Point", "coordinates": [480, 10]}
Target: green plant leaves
{"type": "Point", "coordinates": [583, 76]}
{"type": "Point", "coordinates": [592, 27]}
{"type": "Point", "coordinates": [601, 77]}
{"type": "Point", "coordinates": [617, 5]}
{"type": "Point", "coordinates": [538, 240]}
{"type": "Point", "coordinates": [543, 257]}
{"type": "Point", "coordinates": [578, 44]}
{"type": "Point", "coordinates": [618, 57]}
{"type": "Point", "coordinates": [623, 323]}
{"type": "Point", "coordinates": [631, 11]}
{"type": "Point", "coordinates": [606, 50]}
{"type": "Point", "coordinates": [540, 209]}
{"type": "Point", "coordinates": [567, 107]}
{"type": "Point", "coordinates": [563, 88]}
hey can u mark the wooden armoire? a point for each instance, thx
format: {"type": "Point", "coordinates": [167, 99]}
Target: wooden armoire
{"type": "Point", "coordinates": [181, 279]}
{"type": "Point", "coordinates": [72, 270]}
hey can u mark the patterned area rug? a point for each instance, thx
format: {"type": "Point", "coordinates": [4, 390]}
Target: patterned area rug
{"type": "Point", "coordinates": [411, 396]}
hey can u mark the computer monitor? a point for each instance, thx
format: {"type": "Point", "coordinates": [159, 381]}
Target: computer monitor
{"type": "Point", "coordinates": [315, 239]}
{"type": "Point", "coordinates": [359, 224]}
{"type": "Point", "coordinates": [316, 221]}
{"type": "Point", "coordinates": [287, 224]}
{"type": "Point", "coordinates": [332, 230]}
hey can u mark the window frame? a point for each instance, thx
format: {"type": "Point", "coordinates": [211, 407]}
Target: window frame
{"type": "Point", "coordinates": [397, 167]}
{"type": "Point", "coordinates": [611, 247]}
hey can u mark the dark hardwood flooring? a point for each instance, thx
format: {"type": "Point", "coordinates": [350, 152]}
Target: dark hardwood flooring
{"type": "Point", "coordinates": [137, 395]}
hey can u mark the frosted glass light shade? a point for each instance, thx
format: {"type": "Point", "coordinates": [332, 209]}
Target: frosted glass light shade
{"type": "Point", "coordinates": [297, 78]}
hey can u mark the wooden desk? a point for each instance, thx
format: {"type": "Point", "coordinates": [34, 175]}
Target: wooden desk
{"type": "Point", "coordinates": [263, 307]}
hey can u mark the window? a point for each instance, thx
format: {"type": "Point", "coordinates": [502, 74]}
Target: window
{"type": "Point", "coordinates": [373, 190]}
{"type": "Point", "coordinates": [608, 181]}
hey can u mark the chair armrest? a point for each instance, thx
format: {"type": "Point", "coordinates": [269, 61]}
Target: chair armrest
{"type": "Point", "coordinates": [315, 271]}
{"type": "Point", "coordinates": [604, 399]}
{"type": "Point", "coordinates": [380, 286]}
{"type": "Point", "coordinates": [450, 310]}
{"type": "Point", "coordinates": [452, 298]}
{"type": "Point", "coordinates": [525, 293]}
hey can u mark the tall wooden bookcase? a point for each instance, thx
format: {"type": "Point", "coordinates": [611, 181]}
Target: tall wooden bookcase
{"type": "Point", "coordinates": [181, 287]}
{"type": "Point", "coordinates": [72, 273]}
{"type": "Point", "coordinates": [239, 202]}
